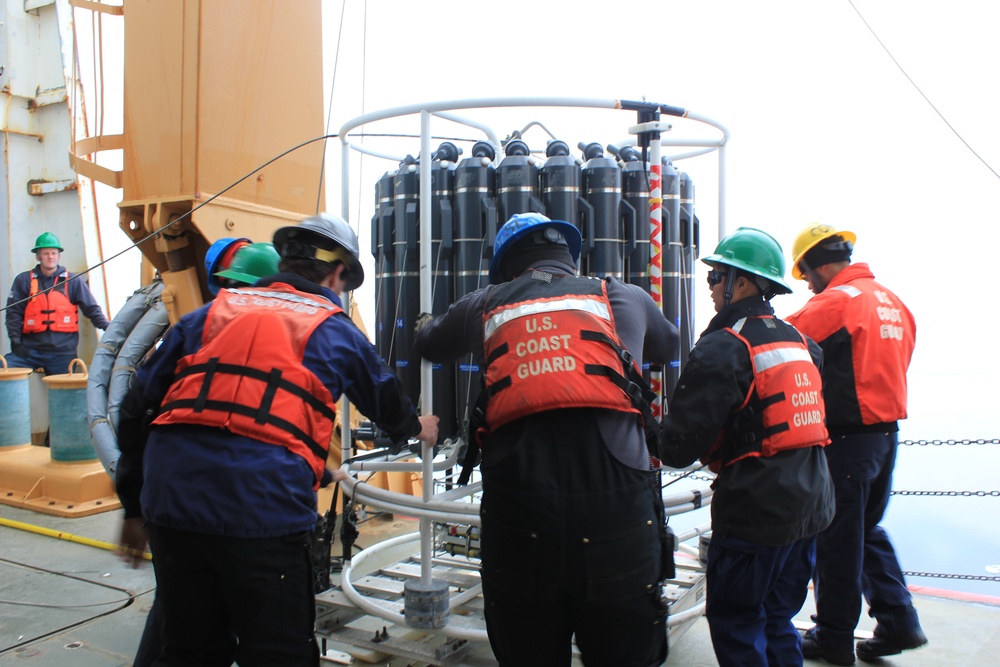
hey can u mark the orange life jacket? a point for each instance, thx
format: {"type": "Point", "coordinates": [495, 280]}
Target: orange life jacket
{"type": "Point", "coordinates": [550, 343]}
{"type": "Point", "coordinates": [247, 377]}
{"type": "Point", "coordinates": [784, 407]}
{"type": "Point", "coordinates": [50, 310]}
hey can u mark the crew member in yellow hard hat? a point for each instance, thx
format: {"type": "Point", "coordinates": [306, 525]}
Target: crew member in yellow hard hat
{"type": "Point", "coordinates": [42, 321]}
{"type": "Point", "coordinates": [867, 334]}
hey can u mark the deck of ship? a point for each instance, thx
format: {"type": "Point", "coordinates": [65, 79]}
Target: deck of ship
{"type": "Point", "coordinates": [68, 603]}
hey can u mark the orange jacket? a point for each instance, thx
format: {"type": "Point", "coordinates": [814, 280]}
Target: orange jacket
{"type": "Point", "coordinates": [550, 343]}
{"type": "Point", "coordinates": [51, 310]}
{"type": "Point", "coordinates": [247, 377]}
{"type": "Point", "coordinates": [784, 407]}
{"type": "Point", "coordinates": [867, 335]}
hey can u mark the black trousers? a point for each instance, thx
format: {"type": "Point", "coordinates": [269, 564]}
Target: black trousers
{"type": "Point", "coordinates": [570, 545]}
{"type": "Point", "coordinates": [226, 599]}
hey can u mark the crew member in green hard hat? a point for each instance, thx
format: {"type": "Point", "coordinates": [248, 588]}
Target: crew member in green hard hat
{"type": "Point", "coordinates": [250, 264]}
{"type": "Point", "coordinates": [749, 404]}
{"type": "Point", "coordinates": [42, 321]}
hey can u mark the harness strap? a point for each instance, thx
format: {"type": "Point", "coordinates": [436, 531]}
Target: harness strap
{"type": "Point", "coordinates": [213, 366]}
{"type": "Point", "coordinates": [268, 397]}
{"type": "Point", "coordinates": [477, 418]}
{"type": "Point", "coordinates": [248, 411]}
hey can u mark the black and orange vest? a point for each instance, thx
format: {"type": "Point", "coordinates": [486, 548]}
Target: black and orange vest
{"type": "Point", "coordinates": [248, 375]}
{"type": "Point", "coordinates": [50, 310]}
{"type": "Point", "coordinates": [550, 343]}
{"type": "Point", "coordinates": [784, 408]}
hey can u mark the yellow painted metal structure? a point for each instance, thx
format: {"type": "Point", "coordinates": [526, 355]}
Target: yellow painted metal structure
{"type": "Point", "coordinates": [213, 89]}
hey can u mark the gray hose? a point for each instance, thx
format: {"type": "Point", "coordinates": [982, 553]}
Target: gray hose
{"type": "Point", "coordinates": [143, 338]}
{"type": "Point", "coordinates": [99, 378]}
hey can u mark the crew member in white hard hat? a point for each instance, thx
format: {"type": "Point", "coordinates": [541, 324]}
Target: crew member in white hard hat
{"type": "Point", "coordinates": [245, 391]}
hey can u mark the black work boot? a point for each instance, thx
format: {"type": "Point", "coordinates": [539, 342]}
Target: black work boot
{"type": "Point", "coordinates": [882, 644]}
{"type": "Point", "coordinates": [813, 650]}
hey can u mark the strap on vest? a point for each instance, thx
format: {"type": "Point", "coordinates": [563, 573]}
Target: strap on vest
{"type": "Point", "coordinates": [247, 411]}
{"type": "Point", "coordinates": [477, 421]}
{"type": "Point", "coordinates": [744, 427]}
{"type": "Point", "coordinates": [213, 366]}
{"type": "Point", "coordinates": [268, 397]}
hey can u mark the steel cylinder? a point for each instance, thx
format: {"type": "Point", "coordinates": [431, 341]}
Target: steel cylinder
{"type": "Point", "coordinates": [476, 222]}
{"type": "Point", "coordinates": [601, 184]}
{"type": "Point", "coordinates": [559, 182]}
{"type": "Point", "coordinates": [443, 167]}
{"type": "Point", "coordinates": [406, 217]}
{"type": "Point", "coordinates": [690, 235]}
{"type": "Point", "coordinates": [673, 286]}
{"type": "Point", "coordinates": [635, 193]}
{"type": "Point", "coordinates": [517, 182]}
{"type": "Point", "coordinates": [382, 239]}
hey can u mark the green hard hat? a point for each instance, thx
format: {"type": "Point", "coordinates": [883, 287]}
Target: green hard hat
{"type": "Point", "coordinates": [755, 252]}
{"type": "Point", "coordinates": [251, 263]}
{"type": "Point", "coordinates": [47, 240]}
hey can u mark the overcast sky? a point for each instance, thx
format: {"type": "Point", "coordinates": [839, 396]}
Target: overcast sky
{"type": "Point", "coordinates": [824, 127]}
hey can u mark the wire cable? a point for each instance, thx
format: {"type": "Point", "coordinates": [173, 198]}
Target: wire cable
{"type": "Point", "coordinates": [914, 83]}
{"type": "Point", "coordinates": [185, 215]}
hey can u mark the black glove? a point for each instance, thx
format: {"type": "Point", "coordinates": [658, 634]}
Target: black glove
{"type": "Point", "coordinates": [20, 350]}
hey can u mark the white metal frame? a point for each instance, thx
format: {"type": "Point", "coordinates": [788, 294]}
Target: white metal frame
{"type": "Point", "coordinates": [458, 505]}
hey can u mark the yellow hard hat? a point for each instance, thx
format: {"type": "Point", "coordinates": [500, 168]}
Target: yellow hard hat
{"type": "Point", "coordinates": [809, 238]}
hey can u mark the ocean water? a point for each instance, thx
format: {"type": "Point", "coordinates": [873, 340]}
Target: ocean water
{"type": "Point", "coordinates": [953, 535]}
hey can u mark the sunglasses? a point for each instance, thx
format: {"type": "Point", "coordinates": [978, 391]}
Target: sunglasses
{"type": "Point", "coordinates": [716, 277]}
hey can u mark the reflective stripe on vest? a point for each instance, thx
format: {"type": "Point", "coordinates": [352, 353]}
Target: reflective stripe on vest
{"type": "Point", "coordinates": [550, 343]}
{"type": "Point", "coordinates": [50, 310]}
{"type": "Point", "coordinates": [248, 375]}
{"type": "Point", "coordinates": [784, 408]}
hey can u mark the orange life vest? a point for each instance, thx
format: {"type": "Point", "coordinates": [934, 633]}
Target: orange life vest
{"type": "Point", "coordinates": [50, 310]}
{"type": "Point", "coordinates": [784, 407]}
{"type": "Point", "coordinates": [248, 375]}
{"type": "Point", "coordinates": [550, 343]}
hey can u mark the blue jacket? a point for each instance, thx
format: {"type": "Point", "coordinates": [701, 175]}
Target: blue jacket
{"type": "Point", "coordinates": [209, 480]}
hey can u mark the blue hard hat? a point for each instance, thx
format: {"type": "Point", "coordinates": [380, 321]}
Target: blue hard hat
{"type": "Point", "coordinates": [522, 224]}
{"type": "Point", "coordinates": [215, 257]}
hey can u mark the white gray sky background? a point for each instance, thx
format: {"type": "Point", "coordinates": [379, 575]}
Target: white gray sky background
{"type": "Point", "coordinates": [824, 127]}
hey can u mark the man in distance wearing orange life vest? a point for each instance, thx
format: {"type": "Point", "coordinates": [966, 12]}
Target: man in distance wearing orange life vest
{"type": "Point", "coordinates": [749, 404]}
{"type": "Point", "coordinates": [867, 335]}
{"type": "Point", "coordinates": [42, 321]}
{"type": "Point", "coordinates": [573, 537]}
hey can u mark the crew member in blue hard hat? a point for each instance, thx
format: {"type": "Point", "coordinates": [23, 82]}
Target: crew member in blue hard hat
{"type": "Point", "coordinates": [749, 404]}
{"type": "Point", "coordinates": [42, 321]}
{"type": "Point", "coordinates": [245, 390]}
{"type": "Point", "coordinates": [572, 520]}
